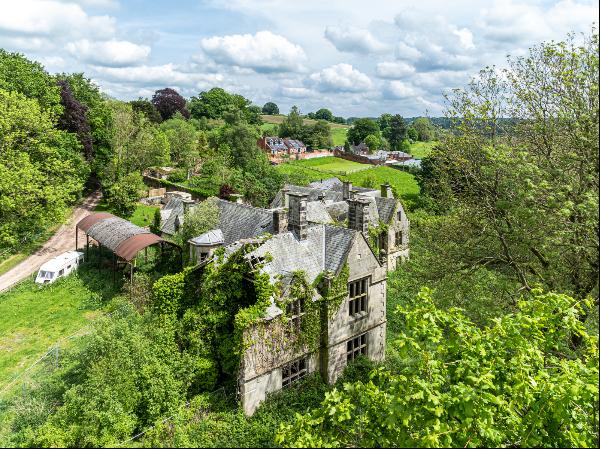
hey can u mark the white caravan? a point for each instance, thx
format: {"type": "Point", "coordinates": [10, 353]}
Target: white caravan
{"type": "Point", "coordinates": [59, 267]}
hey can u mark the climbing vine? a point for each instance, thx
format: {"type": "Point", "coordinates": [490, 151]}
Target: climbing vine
{"type": "Point", "coordinates": [374, 233]}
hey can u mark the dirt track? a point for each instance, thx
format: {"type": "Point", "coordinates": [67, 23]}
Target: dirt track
{"type": "Point", "coordinates": [63, 240]}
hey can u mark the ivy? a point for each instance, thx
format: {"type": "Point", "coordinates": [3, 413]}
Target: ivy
{"type": "Point", "coordinates": [374, 233]}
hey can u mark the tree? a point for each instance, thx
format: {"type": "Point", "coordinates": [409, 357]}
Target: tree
{"type": "Point", "coordinates": [516, 383]}
{"type": "Point", "coordinates": [361, 128]}
{"type": "Point", "coordinates": [270, 108]}
{"type": "Point", "coordinates": [167, 102]}
{"type": "Point", "coordinates": [183, 141]}
{"type": "Point", "coordinates": [424, 129]}
{"type": "Point", "coordinates": [18, 74]}
{"type": "Point", "coordinates": [412, 134]}
{"type": "Point", "coordinates": [396, 133]}
{"type": "Point", "coordinates": [524, 200]}
{"type": "Point", "coordinates": [293, 125]}
{"type": "Point", "coordinates": [41, 169]}
{"type": "Point", "coordinates": [74, 118]}
{"type": "Point", "coordinates": [145, 106]}
{"type": "Point", "coordinates": [199, 219]}
{"type": "Point", "coordinates": [123, 195]}
{"type": "Point", "coordinates": [98, 115]}
{"type": "Point", "coordinates": [373, 141]}
{"type": "Point", "coordinates": [324, 114]}
{"type": "Point", "coordinates": [318, 135]}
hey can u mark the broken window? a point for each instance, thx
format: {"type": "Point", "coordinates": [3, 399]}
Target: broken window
{"type": "Point", "coordinates": [295, 310]}
{"type": "Point", "coordinates": [293, 371]}
{"type": "Point", "coordinates": [399, 238]}
{"type": "Point", "coordinates": [356, 347]}
{"type": "Point", "coordinates": [358, 293]}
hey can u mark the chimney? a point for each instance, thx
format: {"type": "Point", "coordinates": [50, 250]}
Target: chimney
{"type": "Point", "coordinates": [386, 190]}
{"type": "Point", "coordinates": [347, 189]}
{"type": "Point", "coordinates": [358, 214]}
{"type": "Point", "coordinates": [280, 220]}
{"type": "Point", "coordinates": [285, 200]}
{"type": "Point", "coordinates": [297, 214]}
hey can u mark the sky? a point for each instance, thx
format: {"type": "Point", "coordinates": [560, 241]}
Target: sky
{"type": "Point", "coordinates": [356, 58]}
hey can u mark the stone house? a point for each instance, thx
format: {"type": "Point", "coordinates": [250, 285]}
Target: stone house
{"type": "Point", "coordinates": [306, 236]}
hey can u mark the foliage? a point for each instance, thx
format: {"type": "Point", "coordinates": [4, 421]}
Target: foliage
{"type": "Point", "coordinates": [74, 118]}
{"type": "Point", "coordinates": [167, 102]}
{"type": "Point", "coordinates": [361, 128]}
{"type": "Point", "coordinates": [516, 382]}
{"type": "Point", "coordinates": [424, 128]}
{"type": "Point", "coordinates": [217, 102]}
{"type": "Point", "coordinates": [145, 106]}
{"type": "Point", "coordinates": [199, 219]}
{"type": "Point", "coordinates": [168, 293]}
{"type": "Point", "coordinates": [155, 226]}
{"type": "Point", "coordinates": [270, 108]}
{"type": "Point", "coordinates": [373, 141]}
{"type": "Point", "coordinates": [293, 125]}
{"type": "Point", "coordinates": [184, 141]}
{"type": "Point", "coordinates": [396, 133]}
{"type": "Point", "coordinates": [525, 202]}
{"type": "Point", "coordinates": [18, 74]}
{"type": "Point", "coordinates": [41, 169]}
{"type": "Point", "coordinates": [122, 195]}
{"type": "Point", "coordinates": [324, 114]}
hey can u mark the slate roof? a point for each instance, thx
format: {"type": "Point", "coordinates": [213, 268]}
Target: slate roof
{"type": "Point", "coordinates": [338, 242]}
{"type": "Point", "coordinates": [239, 221]}
{"type": "Point", "coordinates": [173, 209]}
{"type": "Point", "coordinates": [316, 212]}
{"type": "Point", "coordinates": [385, 208]}
{"type": "Point", "coordinates": [326, 184]}
{"type": "Point", "coordinates": [213, 237]}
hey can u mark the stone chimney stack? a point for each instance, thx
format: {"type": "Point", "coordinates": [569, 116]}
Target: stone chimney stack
{"type": "Point", "coordinates": [386, 190]}
{"type": "Point", "coordinates": [280, 220]}
{"type": "Point", "coordinates": [297, 222]}
{"type": "Point", "coordinates": [347, 190]}
{"type": "Point", "coordinates": [358, 214]}
{"type": "Point", "coordinates": [285, 200]}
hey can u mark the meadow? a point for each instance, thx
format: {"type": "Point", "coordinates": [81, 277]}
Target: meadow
{"type": "Point", "coordinates": [142, 216]}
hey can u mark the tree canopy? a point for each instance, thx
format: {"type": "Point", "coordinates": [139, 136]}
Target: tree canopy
{"type": "Point", "coordinates": [167, 102]}
{"type": "Point", "coordinates": [270, 108]}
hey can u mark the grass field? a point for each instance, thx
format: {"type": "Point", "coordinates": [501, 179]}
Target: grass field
{"type": "Point", "coordinates": [338, 131]}
{"type": "Point", "coordinates": [419, 150]}
{"type": "Point", "coordinates": [303, 172]}
{"type": "Point", "coordinates": [143, 215]}
{"type": "Point", "coordinates": [33, 318]}
{"type": "Point", "coordinates": [332, 164]}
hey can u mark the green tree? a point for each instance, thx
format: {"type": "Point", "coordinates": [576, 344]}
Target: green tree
{"type": "Point", "coordinates": [317, 135]}
{"type": "Point", "coordinates": [270, 108]}
{"type": "Point", "coordinates": [18, 74]}
{"type": "Point", "coordinates": [123, 195]}
{"type": "Point", "coordinates": [293, 125]}
{"type": "Point", "coordinates": [396, 132]}
{"type": "Point", "coordinates": [514, 383]}
{"type": "Point", "coordinates": [42, 170]}
{"type": "Point", "coordinates": [324, 114]}
{"type": "Point", "coordinates": [373, 141]}
{"type": "Point", "coordinates": [199, 219]}
{"type": "Point", "coordinates": [361, 128]}
{"type": "Point", "coordinates": [424, 129]}
{"type": "Point", "coordinates": [145, 106]}
{"type": "Point", "coordinates": [183, 141]}
{"type": "Point", "coordinates": [412, 134]}
{"type": "Point", "coordinates": [526, 201]}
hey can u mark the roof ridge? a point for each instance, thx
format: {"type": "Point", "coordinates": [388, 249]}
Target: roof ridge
{"type": "Point", "coordinates": [247, 206]}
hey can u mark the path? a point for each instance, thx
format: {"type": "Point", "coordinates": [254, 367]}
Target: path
{"type": "Point", "coordinates": [63, 240]}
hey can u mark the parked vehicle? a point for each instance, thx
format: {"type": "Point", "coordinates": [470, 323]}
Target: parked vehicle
{"type": "Point", "coordinates": [59, 267]}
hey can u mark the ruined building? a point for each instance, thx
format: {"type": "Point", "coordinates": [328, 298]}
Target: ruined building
{"type": "Point", "coordinates": [325, 232]}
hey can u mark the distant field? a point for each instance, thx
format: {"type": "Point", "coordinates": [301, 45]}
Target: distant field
{"type": "Point", "coordinates": [303, 172]}
{"type": "Point", "coordinates": [332, 164]}
{"type": "Point", "coordinates": [33, 318]}
{"type": "Point", "coordinates": [338, 131]}
{"type": "Point", "coordinates": [419, 150]}
{"type": "Point", "coordinates": [338, 136]}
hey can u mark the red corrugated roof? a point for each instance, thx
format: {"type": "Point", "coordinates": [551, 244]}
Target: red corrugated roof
{"type": "Point", "coordinates": [89, 221]}
{"type": "Point", "coordinates": [130, 247]}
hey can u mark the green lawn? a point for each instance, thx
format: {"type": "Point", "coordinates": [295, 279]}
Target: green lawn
{"type": "Point", "coordinates": [338, 136]}
{"type": "Point", "coordinates": [33, 318]}
{"type": "Point", "coordinates": [419, 150]}
{"type": "Point", "coordinates": [303, 172]}
{"type": "Point", "coordinates": [143, 215]}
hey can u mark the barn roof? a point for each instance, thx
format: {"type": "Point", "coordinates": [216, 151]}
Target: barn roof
{"type": "Point", "coordinates": [120, 236]}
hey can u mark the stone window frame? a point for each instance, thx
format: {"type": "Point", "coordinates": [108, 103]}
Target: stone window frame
{"type": "Point", "coordinates": [294, 371]}
{"type": "Point", "coordinates": [295, 310]}
{"type": "Point", "coordinates": [358, 298]}
{"type": "Point", "coordinates": [356, 346]}
{"type": "Point", "coordinates": [399, 237]}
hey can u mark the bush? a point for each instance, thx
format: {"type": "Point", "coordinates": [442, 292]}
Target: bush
{"type": "Point", "coordinates": [179, 175]}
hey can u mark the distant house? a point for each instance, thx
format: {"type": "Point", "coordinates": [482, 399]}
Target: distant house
{"type": "Point", "coordinates": [277, 146]}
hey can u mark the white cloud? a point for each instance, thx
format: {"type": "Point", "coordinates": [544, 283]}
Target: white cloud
{"type": "Point", "coordinates": [399, 89]}
{"type": "Point", "coordinates": [112, 53]}
{"type": "Point", "coordinates": [262, 52]}
{"type": "Point", "coordinates": [340, 78]}
{"type": "Point", "coordinates": [354, 40]}
{"type": "Point", "coordinates": [52, 18]}
{"type": "Point", "coordinates": [296, 92]}
{"type": "Point", "coordinates": [160, 75]}
{"type": "Point", "coordinates": [394, 69]}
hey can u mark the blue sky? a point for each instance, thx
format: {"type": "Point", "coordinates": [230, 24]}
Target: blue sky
{"type": "Point", "coordinates": [356, 58]}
